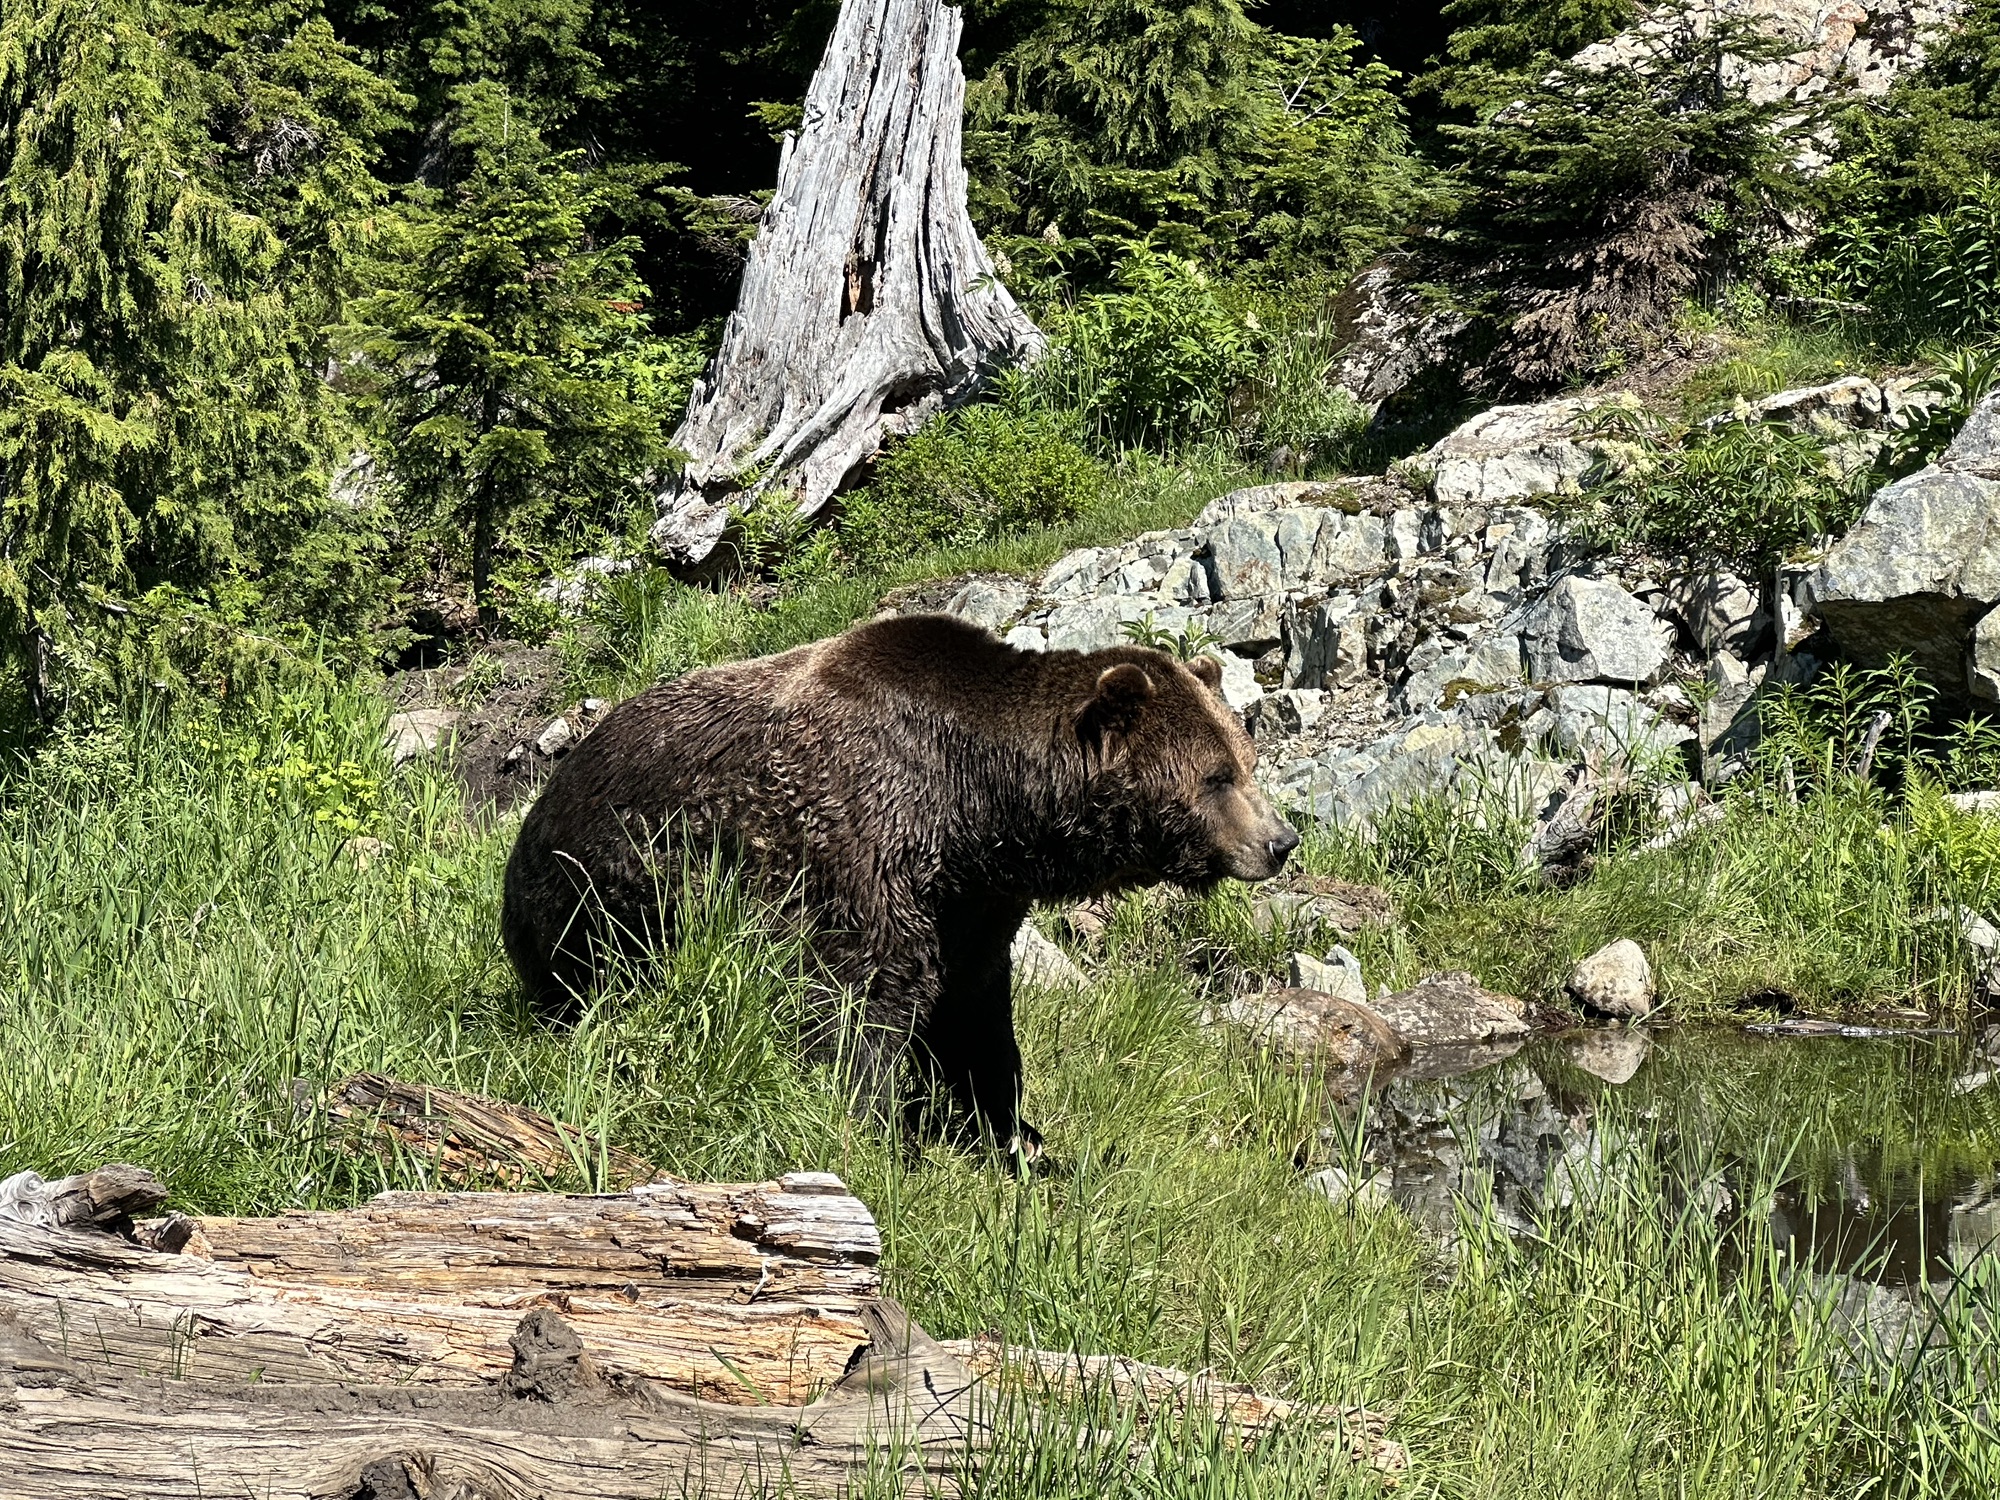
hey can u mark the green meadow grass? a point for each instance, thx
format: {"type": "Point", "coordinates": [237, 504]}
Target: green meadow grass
{"type": "Point", "coordinates": [185, 930]}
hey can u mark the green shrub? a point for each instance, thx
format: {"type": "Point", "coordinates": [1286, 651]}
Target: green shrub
{"type": "Point", "coordinates": [1932, 275]}
{"type": "Point", "coordinates": [971, 476]}
{"type": "Point", "coordinates": [1155, 362]}
{"type": "Point", "coordinates": [1741, 493]}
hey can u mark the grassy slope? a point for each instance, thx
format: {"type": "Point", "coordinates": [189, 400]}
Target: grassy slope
{"type": "Point", "coordinates": [182, 932]}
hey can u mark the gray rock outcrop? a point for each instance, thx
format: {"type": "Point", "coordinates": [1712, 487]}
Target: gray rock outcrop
{"type": "Point", "coordinates": [1922, 566]}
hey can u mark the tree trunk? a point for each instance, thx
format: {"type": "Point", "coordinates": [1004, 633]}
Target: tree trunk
{"type": "Point", "coordinates": [485, 502]}
{"type": "Point", "coordinates": [868, 302]}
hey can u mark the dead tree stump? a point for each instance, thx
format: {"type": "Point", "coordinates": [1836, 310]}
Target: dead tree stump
{"type": "Point", "coordinates": [868, 302]}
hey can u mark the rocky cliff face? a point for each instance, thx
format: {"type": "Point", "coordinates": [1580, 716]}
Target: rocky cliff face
{"type": "Point", "coordinates": [1436, 632]}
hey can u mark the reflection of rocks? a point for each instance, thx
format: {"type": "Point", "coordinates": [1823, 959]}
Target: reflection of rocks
{"type": "Point", "coordinates": [1616, 980]}
{"type": "Point", "coordinates": [1612, 1054]}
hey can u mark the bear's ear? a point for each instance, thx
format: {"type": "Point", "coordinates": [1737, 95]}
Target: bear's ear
{"type": "Point", "coordinates": [1114, 708]}
{"type": "Point", "coordinates": [1208, 671]}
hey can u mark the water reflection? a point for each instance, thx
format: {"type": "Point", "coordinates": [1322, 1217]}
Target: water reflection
{"type": "Point", "coordinates": [1886, 1150]}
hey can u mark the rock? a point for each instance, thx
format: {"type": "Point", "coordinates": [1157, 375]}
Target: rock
{"type": "Point", "coordinates": [1339, 975]}
{"type": "Point", "coordinates": [1320, 901]}
{"type": "Point", "coordinates": [1261, 499]}
{"type": "Point", "coordinates": [1591, 630]}
{"type": "Point", "coordinates": [1240, 687]}
{"type": "Point", "coordinates": [1250, 626]}
{"type": "Point", "coordinates": [1027, 638]}
{"type": "Point", "coordinates": [1851, 401]}
{"type": "Point", "coordinates": [1332, 647]}
{"type": "Point", "coordinates": [993, 605]}
{"type": "Point", "coordinates": [363, 851]}
{"type": "Point", "coordinates": [1612, 1053]}
{"type": "Point", "coordinates": [1719, 612]}
{"type": "Point", "coordinates": [1983, 803]}
{"type": "Point", "coordinates": [1610, 721]}
{"type": "Point", "coordinates": [1513, 453]}
{"type": "Point", "coordinates": [1095, 623]}
{"type": "Point", "coordinates": [1285, 712]}
{"type": "Point", "coordinates": [1486, 664]}
{"type": "Point", "coordinates": [1040, 964]}
{"type": "Point", "coordinates": [1616, 980]}
{"type": "Point", "coordinates": [1389, 335]}
{"type": "Point", "coordinates": [1727, 729]}
{"type": "Point", "coordinates": [1984, 670]}
{"type": "Point", "coordinates": [1306, 1024]}
{"type": "Point", "coordinates": [555, 738]}
{"type": "Point", "coordinates": [1923, 562]}
{"type": "Point", "coordinates": [1245, 557]}
{"type": "Point", "coordinates": [573, 588]}
{"type": "Point", "coordinates": [417, 732]}
{"type": "Point", "coordinates": [1451, 1010]}
{"type": "Point", "coordinates": [1339, 1187]}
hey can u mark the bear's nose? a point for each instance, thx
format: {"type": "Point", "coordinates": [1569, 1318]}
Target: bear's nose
{"type": "Point", "coordinates": [1283, 844]}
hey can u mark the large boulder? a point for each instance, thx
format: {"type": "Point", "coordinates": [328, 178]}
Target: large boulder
{"type": "Point", "coordinates": [1591, 630]}
{"type": "Point", "coordinates": [1923, 563]}
{"type": "Point", "coordinates": [1513, 453]}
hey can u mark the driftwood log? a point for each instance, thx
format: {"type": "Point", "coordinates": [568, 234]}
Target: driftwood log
{"type": "Point", "coordinates": [680, 1338]}
{"type": "Point", "coordinates": [868, 302]}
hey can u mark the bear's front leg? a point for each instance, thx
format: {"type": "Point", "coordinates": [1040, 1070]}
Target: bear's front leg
{"type": "Point", "coordinates": [968, 1039]}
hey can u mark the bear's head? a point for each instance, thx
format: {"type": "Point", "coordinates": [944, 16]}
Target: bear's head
{"type": "Point", "coordinates": [1170, 774]}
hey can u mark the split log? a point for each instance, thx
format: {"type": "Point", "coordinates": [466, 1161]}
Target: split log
{"type": "Point", "coordinates": [680, 1338]}
{"type": "Point", "coordinates": [868, 302]}
{"type": "Point", "coordinates": [466, 1140]}
{"type": "Point", "coordinates": [737, 1294]}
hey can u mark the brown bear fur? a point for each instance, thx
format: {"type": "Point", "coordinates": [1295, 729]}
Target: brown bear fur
{"type": "Point", "coordinates": [915, 785]}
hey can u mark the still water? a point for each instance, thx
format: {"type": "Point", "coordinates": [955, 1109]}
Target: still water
{"type": "Point", "coordinates": [1874, 1159]}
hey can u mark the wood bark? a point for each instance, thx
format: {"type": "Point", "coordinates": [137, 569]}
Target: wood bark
{"type": "Point", "coordinates": [682, 1338]}
{"type": "Point", "coordinates": [868, 302]}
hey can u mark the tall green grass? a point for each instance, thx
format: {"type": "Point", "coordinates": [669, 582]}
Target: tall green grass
{"type": "Point", "coordinates": [185, 929]}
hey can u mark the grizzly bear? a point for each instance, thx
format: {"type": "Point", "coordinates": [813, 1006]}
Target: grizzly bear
{"type": "Point", "coordinates": [910, 788]}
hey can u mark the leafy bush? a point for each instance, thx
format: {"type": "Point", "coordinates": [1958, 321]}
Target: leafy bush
{"type": "Point", "coordinates": [1932, 275]}
{"type": "Point", "coordinates": [973, 475]}
{"type": "Point", "coordinates": [1963, 379]}
{"type": "Point", "coordinates": [1156, 362]}
{"type": "Point", "coordinates": [1742, 493]}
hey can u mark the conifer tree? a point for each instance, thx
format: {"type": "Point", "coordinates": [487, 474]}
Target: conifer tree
{"type": "Point", "coordinates": [498, 382]}
{"type": "Point", "coordinates": [163, 435]}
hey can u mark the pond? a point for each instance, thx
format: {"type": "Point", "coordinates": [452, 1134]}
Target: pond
{"type": "Point", "coordinates": [1875, 1159]}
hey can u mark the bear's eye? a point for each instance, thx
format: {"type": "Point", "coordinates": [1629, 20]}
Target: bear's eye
{"type": "Point", "coordinates": [1218, 780]}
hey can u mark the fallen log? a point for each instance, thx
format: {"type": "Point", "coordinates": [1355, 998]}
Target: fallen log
{"type": "Point", "coordinates": [464, 1140]}
{"type": "Point", "coordinates": [677, 1338]}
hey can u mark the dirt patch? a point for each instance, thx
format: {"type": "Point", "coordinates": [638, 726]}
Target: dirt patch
{"type": "Point", "coordinates": [513, 719]}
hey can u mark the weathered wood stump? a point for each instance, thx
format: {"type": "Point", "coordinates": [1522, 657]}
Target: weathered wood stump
{"type": "Point", "coordinates": [868, 302]}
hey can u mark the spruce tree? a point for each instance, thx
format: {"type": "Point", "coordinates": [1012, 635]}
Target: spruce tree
{"type": "Point", "coordinates": [163, 435]}
{"type": "Point", "coordinates": [497, 379]}
{"type": "Point", "coordinates": [1595, 205]}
